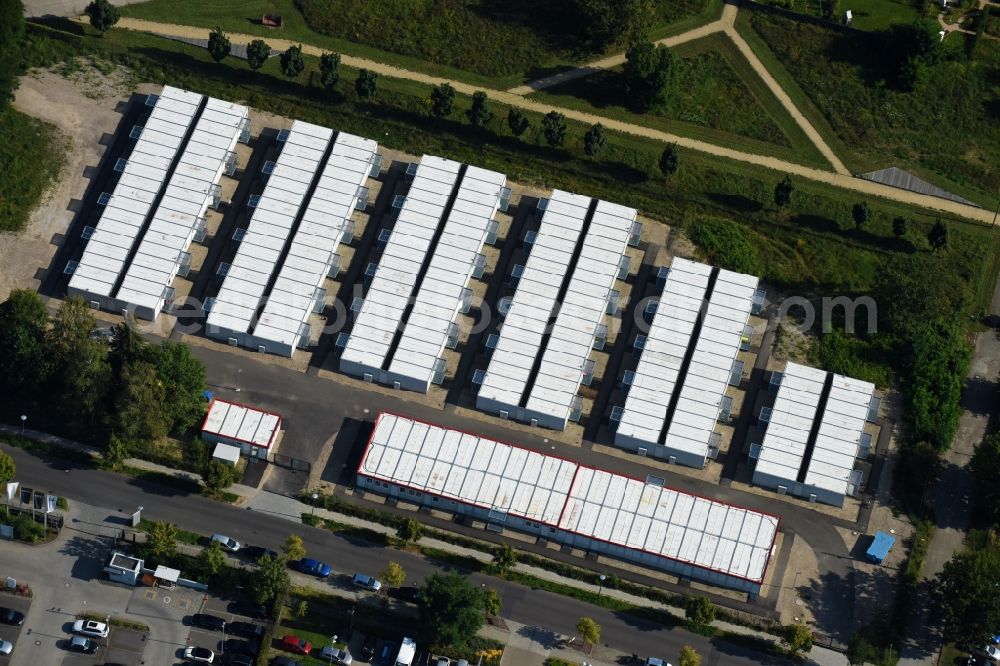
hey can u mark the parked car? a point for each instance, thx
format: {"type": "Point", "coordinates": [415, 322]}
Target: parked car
{"type": "Point", "coordinates": [239, 659]}
{"type": "Point", "coordinates": [6, 647]}
{"type": "Point", "coordinates": [81, 644]}
{"type": "Point", "coordinates": [307, 565]}
{"type": "Point", "coordinates": [407, 594]}
{"type": "Point", "coordinates": [210, 622]}
{"type": "Point", "coordinates": [228, 543]}
{"type": "Point", "coordinates": [442, 661]}
{"type": "Point", "coordinates": [295, 644]}
{"type": "Point", "coordinates": [367, 582]}
{"type": "Point", "coordinates": [386, 653]}
{"type": "Point", "coordinates": [245, 629]}
{"type": "Point", "coordinates": [992, 652]}
{"type": "Point", "coordinates": [240, 646]}
{"type": "Point", "coordinates": [91, 628]}
{"type": "Point", "coordinates": [199, 655]}
{"type": "Point", "coordinates": [284, 661]}
{"type": "Point", "coordinates": [368, 648]}
{"type": "Point", "coordinates": [254, 553]}
{"type": "Point", "coordinates": [11, 616]}
{"type": "Point", "coordinates": [334, 655]}
{"type": "Point", "coordinates": [248, 609]}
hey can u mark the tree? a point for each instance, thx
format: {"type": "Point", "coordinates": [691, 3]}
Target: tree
{"type": "Point", "coordinates": [270, 580]}
{"type": "Point", "coordinates": [365, 84]}
{"type": "Point", "coordinates": [257, 53]}
{"type": "Point", "coordinates": [938, 359]}
{"type": "Point", "coordinates": [504, 558]}
{"type": "Point", "coordinates": [669, 160]}
{"type": "Point", "coordinates": [606, 22]}
{"type": "Point", "coordinates": [81, 376]}
{"type": "Point", "coordinates": [11, 39]}
{"type": "Point", "coordinates": [908, 50]}
{"type": "Point", "coordinates": [517, 122]}
{"type": "Point", "coordinates": [983, 466]}
{"type": "Point", "coordinates": [410, 531]}
{"type": "Point", "coordinates": [329, 70]}
{"type": "Point", "coordinates": [492, 602]}
{"type": "Point", "coordinates": [217, 475]}
{"type": "Point", "coordinates": [861, 213]}
{"type": "Point", "coordinates": [783, 192]}
{"type": "Point", "coordinates": [938, 235]}
{"type": "Point", "coordinates": [479, 114]}
{"type": "Point", "coordinates": [196, 455]}
{"type": "Point", "coordinates": [554, 126]}
{"type": "Point", "coordinates": [393, 575]}
{"type": "Point", "coordinates": [966, 596]}
{"type": "Point", "coordinates": [699, 611]}
{"type": "Point", "coordinates": [103, 15]}
{"type": "Point", "coordinates": [161, 541]}
{"type": "Point", "coordinates": [138, 407]}
{"type": "Point", "coordinates": [899, 226]}
{"type": "Point", "coordinates": [649, 74]}
{"type": "Point", "coordinates": [594, 140]}
{"type": "Point", "coordinates": [690, 656]}
{"type": "Point", "coordinates": [7, 468]}
{"type": "Point", "coordinates": [912, 289]}
{"type": "Point", "coordinates": [451, 609]}
{"type": "Point", "coordinates": [292, 63]}
{"type": "Point", "coordinates": [24, 358]}
{"type": "Point", "coordinates": [972, 45]}
{"type": "Point", "coordinates": [442, 100]}
{"type": "Point", "coordinates": [589, 631]}
{"type": "Point", "coordinates": [797, 637]}
{"type": "Point", "coordinates": [294, 549]}
{"type": "Point", "coordinates": [211, 559]}
{"type": "Point", "coordinates": [218, 44]}
{"type": "Point", "coordinates": [117, 452]}
{"type": "Point", "coordinates": [830, 9]}
{"type": "Point", "coordinates": [183, 379]}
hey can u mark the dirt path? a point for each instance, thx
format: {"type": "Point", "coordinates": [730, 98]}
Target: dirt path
{"type": "Point", "coordinates": [841, 180]}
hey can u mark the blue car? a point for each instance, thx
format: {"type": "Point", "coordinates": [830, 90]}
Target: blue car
{"type": "Point", "coordinates": [314, 567]}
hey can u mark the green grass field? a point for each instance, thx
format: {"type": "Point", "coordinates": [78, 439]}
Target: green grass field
{"type": "Point", "coordinates": [31, 156]}
{"type": "Point", "coordinates": [868, 14]}
{"type": "Point", "coordinates": [718, 98]}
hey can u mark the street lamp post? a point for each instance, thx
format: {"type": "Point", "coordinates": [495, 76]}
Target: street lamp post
{"type": "Point", "coordinates": [350, 623]}
{"type": "Point", "coordinates": [238, 372]}
{"type": "Point", "coordinates": [24, 418]}
{"type": "Point", "coordinates": [602, 577]}
{"type": "Point", "coordinates": [333, 643]}
{"type": "Point", "coordinates": [315, 496]}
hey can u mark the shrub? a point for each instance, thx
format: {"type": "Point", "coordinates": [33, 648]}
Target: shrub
{"type": "Point", "coordinates": [26, 529]}
{"type": "Point", "coordinates": [699, 611]}
{"type": "Point", "coordinates": [725, 243]}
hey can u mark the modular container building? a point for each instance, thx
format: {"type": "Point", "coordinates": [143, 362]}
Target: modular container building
{"type": "Point", "coordinates": [254, 431]}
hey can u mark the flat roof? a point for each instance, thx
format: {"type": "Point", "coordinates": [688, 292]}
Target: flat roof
{"type": "Point", "coordinates": [322, 228]}
{"type": "Point", "coordinates": [534, 300]}
{"type": "Point", "coordinates": [236, 304]}
{"type": "Point", "coordinates": [439, 299]}
{"type": "Point", "coordinates": [836, 446]}
{"type": "Point", "coordinates": [666, 344]}
{"type": "Point", "coordinates": [124, 216]}
{"type": "Point", "coordinates": [582, 310]}
{"type": "Point", "coordinates": [792, 416]}
{"type": "Point", "coordinates": [184, 203]}
{"type": "Point", "coordinates": [711, 363]}
{"type": "Point", "coordinates": [395, 277]}
{"type": "Point", "coordinates": [241, 423]}
{"type": "Point", "coordinates": [226, 452]}
{"type": "Point", "coordinates": [167, 574]}
{"type": "Point", "coordinates": [590, 502]}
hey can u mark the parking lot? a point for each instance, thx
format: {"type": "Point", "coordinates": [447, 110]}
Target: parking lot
{"type": "Point", "coordinates": [11, 633]}
{"type": "Point", "coordinates": [241, 632]}
{"type": "Point", "coordinates": [122, 646]}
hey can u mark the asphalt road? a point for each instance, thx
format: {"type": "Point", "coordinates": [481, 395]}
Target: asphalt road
{"type": "Point", "coordinates": [346, 555]}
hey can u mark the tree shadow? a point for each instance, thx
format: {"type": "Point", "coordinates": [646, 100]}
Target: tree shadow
{"type": "Point", "coordinates": [89, 554]}
{"type": "Point", "coordinates": [736, 202]}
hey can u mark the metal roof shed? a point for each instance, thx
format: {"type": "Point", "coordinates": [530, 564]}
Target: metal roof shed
{"type": "Point", "coordinates": [235, 307]}
{"type": "Point", "coordinates": [368, 348]}
{"type": "Point", "coordinates": [442, 295]}
{"type": "Point", "coordinates": [283, 324]}
{"type": "Point", "coordinates": [240, 425]}
{"type": "Point", "coordinates": [191, 190]}
{"type": "Point", "coordinates": [125, 213]}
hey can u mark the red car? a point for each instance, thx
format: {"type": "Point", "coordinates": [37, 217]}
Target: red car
{"type": "Point", "coordinates": [296, 644]}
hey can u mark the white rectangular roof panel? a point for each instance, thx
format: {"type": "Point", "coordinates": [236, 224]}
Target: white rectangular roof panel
{"type": "Point", "coordinates": [137, 188]}
{"type": "Point", "coordinates": [439, 300]}
{"type": "Point", "coordinates": [666, 345]}
{"type": "Point", "coordinates": [241, 423]}
{"type": "Point", "coordinates": [792, 417]}
{"type": "Point", "coordinates": [535, 299]}
{"type": "Point", "coordinates": [270, 225]}
{"type": "Point", "coordinates": [184, 202]}
{"type": "Point", "coordinates": [711, 363]}
{"type": "Point", "coordinates": [404, 253]}
{"type": "Point", "coordinates": [320, 232]}
{"type": "Point", "coordinates": [581, 311]}
{"type": "Point", "coordinates": [842, 422]}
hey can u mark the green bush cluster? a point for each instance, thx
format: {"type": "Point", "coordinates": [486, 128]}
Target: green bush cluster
{"type": "Point", "coordinates": [726, 244]}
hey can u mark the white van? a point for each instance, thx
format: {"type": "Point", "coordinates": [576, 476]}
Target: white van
{"type": "Point", "coordinates": [407, 651]}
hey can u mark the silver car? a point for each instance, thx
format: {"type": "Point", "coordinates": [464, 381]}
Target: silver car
{"type": "Point", "coordinates": [336, 655]}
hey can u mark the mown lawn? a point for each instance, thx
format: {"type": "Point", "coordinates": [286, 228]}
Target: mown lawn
{"type": "Point", "coordinates": [717, 98]}
{"type": "Point", "coordinates": [31, 157]}
{"type": "Point", "coordinates": [947, 130]}
{"type": "Point", "coordinates": [867, 14]}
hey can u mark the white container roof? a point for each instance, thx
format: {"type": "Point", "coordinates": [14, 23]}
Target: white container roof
{"type": "Point", "coordinates": [581, 311]}
{"type": "Point", "coordinates": [227, 452]}
{"type": "Point", "coordinates": [320, 232]}
{"type": "Point", "coordinates": [666, 344]}
{"type": "Point", "coordinates": [535, 299]}
{"type": "Point", "coordinates": [404, 254]}
{"type": "Point", "coordinates": [125, 214]}
{"type": "Point", "coordinates": [440, 297]}
{"type": "Point", "coordinates": [272, 220]}
{"type": "Point", "coordinates": [241, 423]}
{"type": "Point", "coordinates": [839, 434]}
{"type": "Point", "coordinates": [184, 202]}
{"type": "Point", "coordinates": [792, 416]}
{"type": "Point", "coordinates": [592, 503]}
{"type": "Point", "coordinates": [711, 363]}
